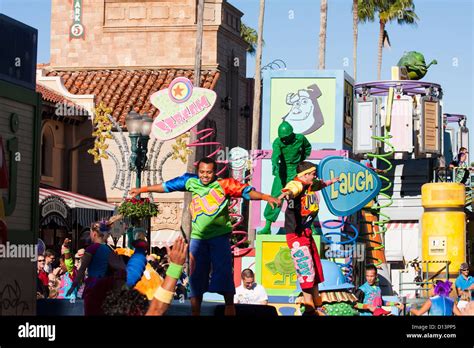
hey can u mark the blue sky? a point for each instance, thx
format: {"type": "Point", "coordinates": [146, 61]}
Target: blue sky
{"type": "Point", "coordinates": [444, 32]}
{"type": "Point", "coordinates": [291, 30]}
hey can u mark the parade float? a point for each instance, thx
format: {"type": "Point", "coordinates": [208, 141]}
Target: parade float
{"type": "Point", "coordinates": [382, 139]}
{"type": "Point", "coordinates": [395, 128]}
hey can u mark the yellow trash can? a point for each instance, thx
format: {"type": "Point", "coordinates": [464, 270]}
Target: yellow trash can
{"type": "Point", "coordinates": [443, 226]}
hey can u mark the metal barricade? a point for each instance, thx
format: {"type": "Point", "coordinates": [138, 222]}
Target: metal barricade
{"type": "Point", "coordinates": [423, 280]}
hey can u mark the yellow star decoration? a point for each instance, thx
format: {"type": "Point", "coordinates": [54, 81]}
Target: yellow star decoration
{"type": "Point", "coordinates": [103, 127]}
{"type": "Point", "coordinates": [181, 145]}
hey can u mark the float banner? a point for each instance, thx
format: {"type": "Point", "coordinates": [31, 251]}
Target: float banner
{"type": "Point", "coordinates": [358, 185]}
{"type": "Point", "coordinates": [181, 106]}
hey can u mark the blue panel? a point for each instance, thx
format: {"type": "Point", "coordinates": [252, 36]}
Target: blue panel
{"type": "Point", "coordinates": [358, 187]}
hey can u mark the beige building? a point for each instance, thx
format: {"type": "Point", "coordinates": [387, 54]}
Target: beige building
{"type": "Point", "coordinates": [128, 50]}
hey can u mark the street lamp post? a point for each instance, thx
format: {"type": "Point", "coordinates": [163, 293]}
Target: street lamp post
{"type": "Point", "coordinates": [139, 128]}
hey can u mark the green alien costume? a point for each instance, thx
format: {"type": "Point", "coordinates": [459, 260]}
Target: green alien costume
{"type": "Point", "coordinates": [289, 149]}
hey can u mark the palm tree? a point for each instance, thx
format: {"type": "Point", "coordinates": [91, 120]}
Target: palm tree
{"type": "Point", "coordinates": [258, 79]}
{"type": "Point", "coordinates": [257, 92]}
{"type": "Point", "coordinates": [250, 36]}
{"type": "Point", "coordinates": [323, 13]}
{"type": "Point", "coordinates": [186, 219]}
{"type": "Point", "coordinates": [403, 11]}
{"type": "Point", "coordinates": [355, 23]}
{"type": "Point", "coordinates": [363, 11]}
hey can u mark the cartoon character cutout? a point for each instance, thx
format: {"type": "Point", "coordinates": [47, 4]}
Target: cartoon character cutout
{"type": "Point", "coordinates": [305, 115]}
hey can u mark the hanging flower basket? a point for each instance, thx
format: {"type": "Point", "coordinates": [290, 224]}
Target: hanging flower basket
{"type": "Point", "coordinates": [138, 208]}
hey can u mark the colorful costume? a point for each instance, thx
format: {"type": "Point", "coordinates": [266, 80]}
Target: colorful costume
{"type": "Point", "coordinates": [98, 283]}
{"type": "Point", "coordinates": [211, 228]}
{"type": "Point", "coordinates": [65, 283]}
{"type": "Point", "coordinates": [140, 274]}
{"type": "Point", "coordinates": [371, 295]}
{"type": "Point", "coordinates": [289, 150]}
{"type": "Point", "coordinates": [66, 280]}
{"type": "Point", "coordinates": [299, 217]}
{"type": "Point", "coordinates": [441, 305]}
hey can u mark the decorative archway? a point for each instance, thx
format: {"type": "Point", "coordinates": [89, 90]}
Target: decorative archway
{"type": "Point", "coordinates": [54, 211]}
{"type": "Point", "coordinates": [47, 145]}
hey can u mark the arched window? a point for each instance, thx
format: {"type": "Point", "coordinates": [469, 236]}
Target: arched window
{"type": "Point", "coordinates": [47, 143]}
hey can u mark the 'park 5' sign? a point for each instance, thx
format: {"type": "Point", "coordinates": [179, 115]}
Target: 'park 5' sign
{"type": "Point", "coordinates": [357, 185]}
{"type": "Point", "coordinates": [181, 106]}
{"type": "Point", "coordinates": [77, 29]}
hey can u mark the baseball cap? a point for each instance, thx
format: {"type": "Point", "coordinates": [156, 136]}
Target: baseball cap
{"type": "Point", "coordinates": [464, 266]}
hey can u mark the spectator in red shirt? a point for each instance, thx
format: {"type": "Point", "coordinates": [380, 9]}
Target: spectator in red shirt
{"type": "Point", "coordinates": [42, 281]}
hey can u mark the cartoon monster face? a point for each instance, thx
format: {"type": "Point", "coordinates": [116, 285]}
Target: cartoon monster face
{"type": "Point", "coordinates": [282, 263]}
{"type": "Point", "coordinates": [305, 114]}
{"type": "Point", "coordinates": [300, 110]}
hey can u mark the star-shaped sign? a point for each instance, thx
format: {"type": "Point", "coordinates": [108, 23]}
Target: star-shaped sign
{"type": "Point", "coordinates": [178, 91]}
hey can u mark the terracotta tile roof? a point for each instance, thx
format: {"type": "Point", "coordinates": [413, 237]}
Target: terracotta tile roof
{"type": "Point", "coordinates": [123, 90]}
{"type": "Point", "coordinates": [54, 97]}
{"type": "Point", "coordinates": [42, 65]}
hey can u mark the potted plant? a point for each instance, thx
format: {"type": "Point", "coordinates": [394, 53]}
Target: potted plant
{"type": "Point", "coordinates": [137, 209]}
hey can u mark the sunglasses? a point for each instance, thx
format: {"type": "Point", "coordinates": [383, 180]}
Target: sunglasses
{"type": "Point", "coordinates": [40, 260]}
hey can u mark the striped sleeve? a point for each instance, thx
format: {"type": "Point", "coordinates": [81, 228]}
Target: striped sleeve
{"type": "Point", "coordinates": [178, 183]}
{"type": "Point", "coordinates": [295, 187]}
{"type": "Point", "coordinates": [234, 188]}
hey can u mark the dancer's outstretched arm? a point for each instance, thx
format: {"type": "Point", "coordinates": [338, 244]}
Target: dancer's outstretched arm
{"type": "Point", "coordinates": [255, 195]}
{"type": "Point", "coordinates": [154, 188]}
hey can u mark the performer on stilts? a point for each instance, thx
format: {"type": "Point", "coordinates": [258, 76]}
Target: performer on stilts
{"type": "Point", "coordinates": [300, 214]}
